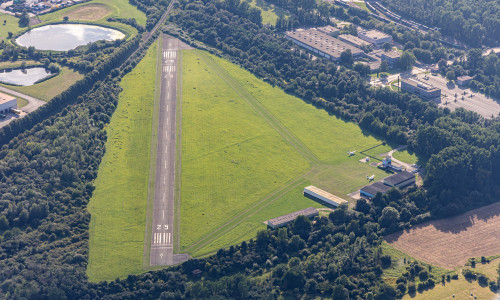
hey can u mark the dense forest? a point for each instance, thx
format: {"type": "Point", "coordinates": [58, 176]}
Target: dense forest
{"type": "Point", "coordinates": [50, 158]}
{"type": "Point", "coordinates": [470, 21]}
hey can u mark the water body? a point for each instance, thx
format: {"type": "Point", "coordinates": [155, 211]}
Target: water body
{"type": "Point", "coordinates": [24, 77]}
{"type": "Point", "coordinates": [64, 37]}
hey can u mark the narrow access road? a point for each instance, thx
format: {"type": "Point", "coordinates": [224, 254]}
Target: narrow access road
{"type": "Point", "coordinates": [162, 239]}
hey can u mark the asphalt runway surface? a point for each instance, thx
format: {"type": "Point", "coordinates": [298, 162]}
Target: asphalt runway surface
{"type": "Point", "coordinates": [162, 237]}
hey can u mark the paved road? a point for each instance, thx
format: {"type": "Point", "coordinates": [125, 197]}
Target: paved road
{"type": "Point", "coordinates": [162, 238]}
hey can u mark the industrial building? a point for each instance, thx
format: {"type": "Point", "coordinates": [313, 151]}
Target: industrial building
{"type": "Point", "coordinates": [330, 30]}
{"type": "Point", "coordinates": [421, 89]}
{"type": "Point", "coordinates": [322, 196]}
{"type": "Point", "coordinates": [464, 80]}
{"type": "Point", "coordinates": [391, 57]}
{"type": "Point", "coordinates": [353, 40]}
{"type": "Point", "coordinates": [371, 190]}
{"type": "Point", "coordinates": [375, 37]}
{"type": "Point", "coordinates": [400, 180]}
{"type": "Point", "coordinates": [7, 103]}
{"type": "Point", "coordinates": [322, 44]}
{"type": "Point", "coordinates": [281, 221]}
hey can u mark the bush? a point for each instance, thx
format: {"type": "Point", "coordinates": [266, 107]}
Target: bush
{"type": "Point", "coordinates": [423, 275]}
{"type": "Point", "coordinates": [385, 261]}
{"type": "Point", "coordinates": [411, 288]}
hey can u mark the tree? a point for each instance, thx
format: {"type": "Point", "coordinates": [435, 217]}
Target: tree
{"type": "Point", "coordinates": [384, 66]}
{"type": "Point", "coordinates": [450, 75]}
{"type": "Point", "coordinates": [302, 226]}
{"type": "Point", "coordinates": [407, 60]}
{"type": "Point", "coordinates": [346, 57]}
{"type": "Point", "coordinates": [9, 35]}
{"type": "Point", "coordinates": [389, 216]}
{"type": "Point", "coordinates": [362, 69]}
{"type": "Point", "coordinates": [387, 46]}
{"type": "Point", "coordinates": [340, 293]}
{"type": "Point", "coordinates": [24, 19]}
{"type": "Point", "coordinates": [66, 18]}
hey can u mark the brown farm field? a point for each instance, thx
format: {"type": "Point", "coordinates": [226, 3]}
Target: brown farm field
{"type": "Point", "coordinates": [451, 242]}
{"type": "Point", "coordinates": [90, 12]}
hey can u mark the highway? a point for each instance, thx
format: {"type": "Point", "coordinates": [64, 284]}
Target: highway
{"type": "Point", "coordinates": [162, 237]}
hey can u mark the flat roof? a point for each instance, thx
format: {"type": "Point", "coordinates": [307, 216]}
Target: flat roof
{"type": "Point", "coordinates": [419, 84]}
{"type": "Point", "coordinates": [353, 39]}
{"type": "Point", "coordinates": [462, 78]}
{"type": "Point", "coordinates": [376, 187]}
{"type": "Point", "coordinates": [399, 178]}
{"type": "Point", "coordinates": [375, 34]}
{"type": "Point", "coordinates": [6, 98]}
{"type": "Point", "coordinates": [392, 54]}
{"type": "Point", "coordinates": [308, 212]}
{"type": "Point", "coordinates": [328, 29]}
{"type": "Point", "coordinates": [325, 194]}
{"type": "Point", "coordinates": [322, 42]}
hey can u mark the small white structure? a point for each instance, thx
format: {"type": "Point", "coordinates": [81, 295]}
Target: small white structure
{"type": "Point", "coordinates": [7, 103]}
{"type": "Point", "coordinates": [320, 195]}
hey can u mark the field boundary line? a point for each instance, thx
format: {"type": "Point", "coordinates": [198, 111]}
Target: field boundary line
{"type": "Point", "coordinates": [271, 119]}
{"type": "Point", "coordinates": [178, 157]}
{"type": "Point", "coordinates": [152, 163]}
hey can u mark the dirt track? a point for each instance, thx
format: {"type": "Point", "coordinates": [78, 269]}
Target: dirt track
{"type": "Point", "coordinates": [450, 242]}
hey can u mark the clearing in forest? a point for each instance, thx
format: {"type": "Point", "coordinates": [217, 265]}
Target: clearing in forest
{"type": "Point", "coordinates": [249, 149]}
{"type": "Point", "coordinates": [451, 242]}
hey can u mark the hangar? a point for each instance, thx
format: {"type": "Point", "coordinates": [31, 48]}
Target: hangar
{"type": "Point", "coordinates": [281, 221]}
{"type": "Point", "coordinates": [322, 196]}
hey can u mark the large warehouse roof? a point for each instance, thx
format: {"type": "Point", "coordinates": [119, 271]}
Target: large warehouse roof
{"type": "Point", "coordinates": [322, 42]}
{"type": "Point", "coordinates": [398, 178]}
{"type": "Point", "coordinates": [309, 212]}
{"type": "Point", "coordinates": [376, 187]}
{"type": "Point", "coordinates": [5, 98]}
{"type": "Point", "coordinates": [315, 192]}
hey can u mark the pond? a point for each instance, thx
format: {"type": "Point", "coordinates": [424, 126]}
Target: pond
{"type": "Point", "coordinates": [24, 77]}
{"type": "Point", "coordinates": [64, 37]}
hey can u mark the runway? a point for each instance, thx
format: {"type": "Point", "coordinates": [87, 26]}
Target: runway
{"type": "Point", "coordinates": [162, 234]}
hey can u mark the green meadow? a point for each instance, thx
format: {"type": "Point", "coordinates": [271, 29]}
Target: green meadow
{"type": "Point", "coordinates": [118, 204]}
{"type": "Point", "coordinates": [249, 149]}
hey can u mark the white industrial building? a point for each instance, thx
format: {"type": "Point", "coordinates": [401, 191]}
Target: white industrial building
{"type": "Point", "coordinates": [7, 103]}
{"type": "Point", "coordinates": [375, 37]}
{"type": "Point", "coordinates": [322, 196]}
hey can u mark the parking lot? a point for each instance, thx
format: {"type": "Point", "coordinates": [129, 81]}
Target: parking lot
{"type": "Point", "coordinates": [482, 104]}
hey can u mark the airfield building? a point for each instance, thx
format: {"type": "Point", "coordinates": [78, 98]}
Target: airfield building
{"type": "Point", "coordinates": [322, 196]}
{"type": "Point", "coordinates": [322, 44]}
{"type": "Point", "coordinates": [375, 37]}
{"type": "Point", "coordinates": [7, 103]}
{"type": "Point", "coordinates": [281, 221]}
{"type": "Point", "coordinates": [371, 190]}
{"type": "Point", "coordinates": [421, 89]}
{"type": "Point", "coordinates": [400, 180]}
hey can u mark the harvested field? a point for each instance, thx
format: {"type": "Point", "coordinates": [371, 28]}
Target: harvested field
{"type": "Point", "coordinates": [450, 242]}
{"type": "Point", "coordinates": [90, 12]}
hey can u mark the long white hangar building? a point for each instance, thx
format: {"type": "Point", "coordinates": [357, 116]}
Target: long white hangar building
{"type": "Point", "coordinates": [323, 196]}
{"type": "Point", "coordinates": [7, 103]}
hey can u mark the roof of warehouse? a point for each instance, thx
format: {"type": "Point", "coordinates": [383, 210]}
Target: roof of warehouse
{"type": "Point", "coordinates": [5, 98]}
{"type": "Point", "coordinates": [322, 42]}
{"type": "Point", "coordinates": [399, 177]}
{"type": "Point", "coordinates": [375, 187]}
{"type": "Point", "coordinates": [308, 212]}
{"type": "Point", "coordinates": [325, 194]}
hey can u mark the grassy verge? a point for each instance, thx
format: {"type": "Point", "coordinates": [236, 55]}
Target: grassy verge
{"type": "Point", "coordinates": [222, 162]}
{"type": "Point", "coordinates": [362, 5]}
{"type": "Point", "coordinates": [48, 89]}
{"type": "Point", "coordinates": [405, 156]}
{"type": "Point", "coordinates": [269, 12]}
{"type": "Point", "coordinates": [11, 25]}
{"type": "Point", "coordinates": [118, 205]}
